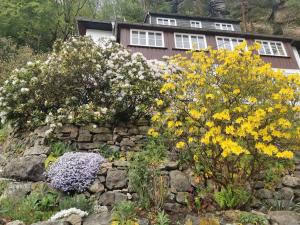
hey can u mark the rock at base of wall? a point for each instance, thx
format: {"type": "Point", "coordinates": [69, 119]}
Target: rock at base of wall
{"type": "Point", "coordinates": [27, 168]}
{"type": "Point", "coordinates": [98, 219]}
{"type": "Point", "coordinates": [116, 178]}
{"type": "Point", "coordinates": [284, 217]}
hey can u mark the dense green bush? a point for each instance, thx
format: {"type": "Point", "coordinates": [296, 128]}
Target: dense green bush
{"type": "Point", "coordinates": [81, 82]}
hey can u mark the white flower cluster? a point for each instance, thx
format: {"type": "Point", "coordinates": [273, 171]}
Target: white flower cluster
{"type": "Point", "coordinates": [81, 82]}
{"type": "Point", "coordinates": [67, 212]}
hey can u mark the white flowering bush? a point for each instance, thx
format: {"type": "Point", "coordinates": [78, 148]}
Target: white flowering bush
{"type": "Point", "coordinates": [81, 82]}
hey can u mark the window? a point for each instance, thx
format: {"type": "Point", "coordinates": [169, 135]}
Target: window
{"type": "Point", "coordinates": [166, 21]}
{"type": "Point", "coordinates": [190, 41]}
{"type": "Point", "coordinates": [271, 48]}
{"type": "Point", "coordinates": [224, 26]}
{"type": "Point", "coordinates": [147, 38]}
{"type": "Point", "coordinates": [196, 24]}
{"type": "Point", "coordinates": [228, 42]}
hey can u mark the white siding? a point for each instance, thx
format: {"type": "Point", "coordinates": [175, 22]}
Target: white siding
{"type": "Point", "coordinates": [99, 34]}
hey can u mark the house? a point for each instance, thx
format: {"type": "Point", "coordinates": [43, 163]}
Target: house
{"type": "Point", "coordinates": [163, 34]}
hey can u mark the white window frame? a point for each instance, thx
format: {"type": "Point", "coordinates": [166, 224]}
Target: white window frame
{"type": "Point", "coordinates": [196, 22]}
{"type": "Point", "coordinates": [147, 38]}
{"type": "Point", "coordinates": [190, 40]}
{"type": "Point", "coordinates": [226, 24]}
{"type": "Point", "coordinates": [230, 39]}
{"type": "Point", "coordinates": [269, 44]}
{"type": "Point", "coordinates": [169, 21]}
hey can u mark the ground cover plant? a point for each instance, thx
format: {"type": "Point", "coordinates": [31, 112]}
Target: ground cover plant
{"type": "Point", "coordinates": [231, 113]}
{"type": "Point", "coordinates": [105, 83]}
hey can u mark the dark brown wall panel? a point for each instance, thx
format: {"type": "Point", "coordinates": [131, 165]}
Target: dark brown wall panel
{"type": "Point", "coordinates": [288, 62]}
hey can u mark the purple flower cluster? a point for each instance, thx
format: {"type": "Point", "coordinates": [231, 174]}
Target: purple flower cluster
{"type": "Point", "coordinates": [74, 171]}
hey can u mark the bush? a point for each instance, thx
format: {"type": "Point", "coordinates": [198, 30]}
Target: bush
{"type": "Point", "coordinates": [231, 112]}
{"type": "Point", "coordinates": [76, 201]}
{"type": "Point", "coordinates": [250, 218]}
{"type": "Point", "coordinates": [232, 197]}
{"type": "Point", "coordinates": [124, 213]}
{"type": "Point", "coordinates": [81, 82]}
{"type": "Point", "coordinates": [145, 176]}
{"type": "Point", "coordinates": [74, 171]}
{"type": "Point", "coordinates": [162, 219]}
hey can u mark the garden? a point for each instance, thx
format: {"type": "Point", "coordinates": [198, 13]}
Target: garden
{"type": "Point", "coordinates": [94, 134]}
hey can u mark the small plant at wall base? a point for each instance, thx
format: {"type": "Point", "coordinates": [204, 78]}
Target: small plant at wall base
{"type": "Point", "coordinates": [124, 214]}
{"type": "Point", "coordinates": [231, 112]}
{"type": "Point", "coordinates": [144, 174]}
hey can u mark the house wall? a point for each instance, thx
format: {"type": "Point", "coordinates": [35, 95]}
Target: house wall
{"type": "Point", "coordinates": [186, 23]}
{"type": "Point", "coordinates": [288, 62]}
{"type": "Point", "coordinates": [99, 34]}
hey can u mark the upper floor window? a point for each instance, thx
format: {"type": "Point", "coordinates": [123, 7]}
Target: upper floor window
{"type": "Point", "coordinates": [190, 41]}
{"type": "Point", "coordinates": [273, 48]}
{"type": "Point", "coordinates": [196, 24]}
{"type": "Point", "coordinates": [147, 38]}
{"type": "Point", "coordinates": [166, 21]}
{"type": "Point", "coordinates": [228, 42]}
{"type": "Point", "coordinates": [224, 26]}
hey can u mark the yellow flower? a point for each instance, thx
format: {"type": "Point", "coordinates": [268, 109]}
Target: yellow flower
{"type": "Point", "coordinates": [230, 130]}
{"type": "Point", "coordinates": [155, 117]}
{"type": "Point", "coordinates": [222, 115]}
{"type": "Point", "coordinates": [178, 124]}
{"type": "Point", "coordinates": [167, 87]}
{"type": "Point", "coordinates": [236, 91]}
{"type": "Point", "coordinates": [178, 132]}
{"type": "Point", "coordinates": [180, 145]}
{"type": "Point", "coordinates": [284, 123]}
{"type": "Point", "coordinates": [171, 124]}
{"type": "Point", "coordinates": [209, 124]}
{"type": "Point", "coordinates": [285, 155]}
{"type": "Point", "coordinates": [152, 132]}
{"type": "Point", "coordinates": [159, 102]}
{"type": "Point", "coordinates": [195, 114]}
{"type": "Point", "coordinates": [252, 100]}
{"type": "Point", "coordinates": [196, 158]}
{"type": "Point", "coordinates": [210, 96]}
{"type": "Point", "coordinates": [191, 139]}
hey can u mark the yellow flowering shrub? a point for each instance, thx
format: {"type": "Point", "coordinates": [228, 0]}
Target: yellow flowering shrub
{"type": "Point", "coordinates": [231, 111]}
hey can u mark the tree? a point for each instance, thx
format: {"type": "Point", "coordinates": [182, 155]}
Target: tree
{"type": "Point", "coordinates": [230, 112]}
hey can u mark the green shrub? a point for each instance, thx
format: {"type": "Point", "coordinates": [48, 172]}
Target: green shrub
{"type": "Point", "coordinates": [232, 197]}
{"type": "Point", "coordinates": [250, 218]}
{"type": "Point", "coordinates": [145, 176]}
{"type": "Point", "coordinates": [124, 213]}
{"type": "Point", "coordinates": [110, 153]}
{"type": "Point", "coordinates": [3, 186]}
{"type": "Point", "coordinates": [106, 83]}
{"type": "Point", "coordinates": [4, 132]}
{"type": "Point", "coordinates": [76, 201]}
{"type": "Point", "coordinates": [162, 219]}
{"type": "Point", "coordinates": [57, 149]}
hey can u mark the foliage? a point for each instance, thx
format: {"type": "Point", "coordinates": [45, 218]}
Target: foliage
{"type": "Point", "coordinates": [231, 112]}
{"type": "Point", "coordinates": [75, 201]}
{"type": "Point", "coordinates": [144, 174]}
{"type": "Point", "coordinates": [281, 205]}
{"type": "Point", "coordinates": [32, 208]}
{"type": "Point", "coordinates": [110, 153]}
{"type": "Point", "coordinates": [232, 197]}
{"type": "Point", "coordinates": [3, 186]}
{"type": "Point", "coordinates": [74, 171]}
{"type": "Point", "coordinates": [250, 218]}
{"type": "Point", "coordinates": [77, 86]}
{"type": "Point", "coordinates": [162, 219]}
{"type": "Point", "coordinates": [4, 132]}
{"type": "Point", "coordinates": [124, 213]}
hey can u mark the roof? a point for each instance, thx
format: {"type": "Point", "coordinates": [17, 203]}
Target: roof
{"type": "Point", "coordinates": [201, 31]}
{"type": "Point", "coordinates": [84, 23]}
{"type": "Point", "coordinates": [188, 17]}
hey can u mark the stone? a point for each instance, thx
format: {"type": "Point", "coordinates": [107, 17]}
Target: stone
{"type": "Point", "coordinates": [84, 135]}
{"type": "Point", "coordinates": [127, 142]}
{"type": "Point", "coordinates": [231, 215]}
{"type": "Point", "coordinates": [27, 168]}
{"type": "Point", "coordinates": [133, 131]}
{"type": "Point", "coordinates": [58, 222]}
{"type": "Point", "coordinates": [172, 207]}
{"type": "Point", "coordinates": [143, 221]}
{"type": "Point", "coordinates": [290, 181]}
{"type": "Point", "coordinates": [41, 131]}
{"type": "Point", "coordinates": [284, 217]}
{"type": "Point", "coordinates": [264, 194]}
{"type": "Point", "coordinates": [103, 137]}
{"type": "Point", "coordinates": [121, 163]}
{"type": "Point", "coordinates": [99, 130]}
{"type": "Point", "coordinates": [107, 198]}
{"type": "Point", "coordinates": [144, 129]}
{"type": "Point", "coordinates": [286, 193]}
{"type": "Point", "coordinates": [297, 173]}
{"type": "Point", "coordinates": [297, 193]}
{"type": "Point", "coordinates": [179, 181]}
{"type": "Point", "coordinates": [181, 197]}
{"type": "Point", "coordinates": [121, 131]}
{"type": "Point", "coordinates": [259, 185]}
{"type": "Point", "coordinates": [100, 209]}
{"type": "Point", "coordinates": [96, 187]}
{"type": "Point", "coordinates": [116, 178]}
{"type": "Point", "coordinates": [101, 178]}
{"type": "Point", "coordinates": [169, 165]}
{"type": "Point", "coordinates": [16, 222]}
{"type": "Point", "coordinates": [88, 146]}
{"type": "Point", "coordinates": [119, 197]}
{"type": "Point", "coordinates": [98, 219]}
{"type": "Point", "coordinates": [68, 131]}
{"type": "Point", "coordinates": [16, 190]}
{"type": "Point", "coordinates": [37, 150]}
{"type": "Point", "coordinates": [194, 220]}
{"type": "Point", "coordinates": [74, 219]}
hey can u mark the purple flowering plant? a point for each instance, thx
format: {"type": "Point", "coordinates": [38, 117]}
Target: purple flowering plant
{"type": "Point", "coordinates": [74, 171]}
